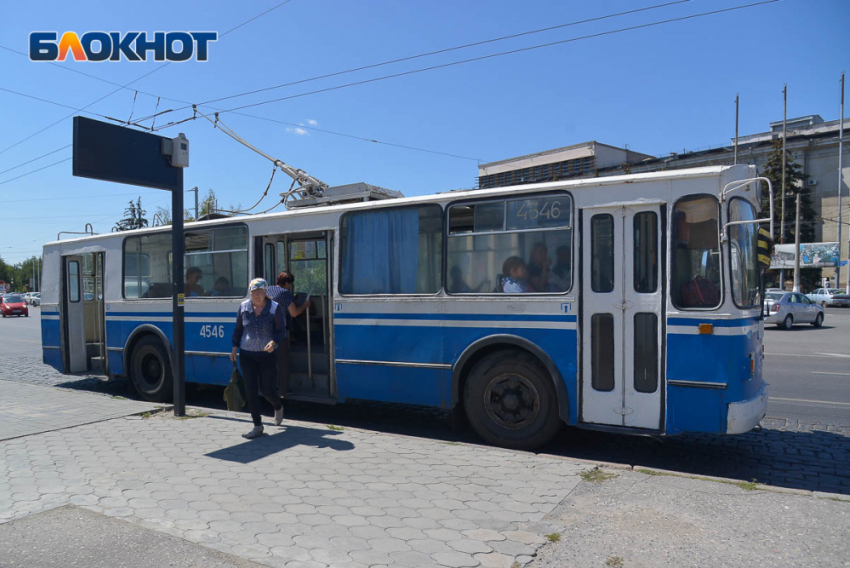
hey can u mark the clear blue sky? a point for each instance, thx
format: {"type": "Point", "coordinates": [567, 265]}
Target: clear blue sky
{"type": "Point", "coordinates": [658, 89]}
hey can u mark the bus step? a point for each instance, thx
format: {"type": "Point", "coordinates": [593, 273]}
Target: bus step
{"type": "Point", "coordinates": [97, 365]}
{"type": "Point", "coordinates": [319, 399]}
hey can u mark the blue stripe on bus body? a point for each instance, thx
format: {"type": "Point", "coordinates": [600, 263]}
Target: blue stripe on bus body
{"type": "Point", "coordinates": [458, 317]}
{"type": "Point", "coordinates": [723, 359]}
{"type": "Point", "coordinates": [50, 332]}
{"type": "Point", "coordinates": [414, 344]}
{"type": "Point", "coordinates": [169, 314]}
{"type": "Point", "coordinates": [715, 322]}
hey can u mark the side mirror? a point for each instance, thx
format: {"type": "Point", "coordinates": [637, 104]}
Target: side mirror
{"type": "Point", "coordinates": [765, 249]}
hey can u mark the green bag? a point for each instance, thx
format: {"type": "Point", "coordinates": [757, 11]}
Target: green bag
{"type": "Point", "coordinates": [233, 392]}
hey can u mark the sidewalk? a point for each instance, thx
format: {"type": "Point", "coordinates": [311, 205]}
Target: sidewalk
{"type": "Point", "coordinates": [309, 496]}
{"type": "Point", "coordinates": [27, 409]}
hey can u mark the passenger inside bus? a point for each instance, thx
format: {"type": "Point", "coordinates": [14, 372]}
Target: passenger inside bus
{"type": "Point", "coordinates": [514, 276]}
{"type": "Point", "coordinates": [221, 288]}
{"type": "Point", "coordinates": [538, 268]}
{"type": "Point", "coordinates": [561, 272]}
{"type": "Point", "coordinates": [193, 277]}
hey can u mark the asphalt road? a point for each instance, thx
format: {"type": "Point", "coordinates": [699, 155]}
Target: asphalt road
{"type": "Point", "coordinates": [808, 369]}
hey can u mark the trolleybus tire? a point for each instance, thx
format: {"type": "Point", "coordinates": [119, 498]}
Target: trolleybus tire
{"type": "Point", "coordinates": [787, 323]}
{"type": "Point", "coordinates": [818, 321]}
{"type": "Point", "coordinates": [510, 401]}
{"type": "Point", "coordinates": [150, 370]}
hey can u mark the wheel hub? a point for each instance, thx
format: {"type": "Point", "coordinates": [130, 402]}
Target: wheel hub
{"type": "Point", "coordinates": [511, 401]}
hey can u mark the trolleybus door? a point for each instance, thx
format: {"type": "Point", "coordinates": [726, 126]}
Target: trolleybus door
{"type": "Point", "coordinates": [74, 315]}
{"type": "Point", "coordinates": [622, 319]}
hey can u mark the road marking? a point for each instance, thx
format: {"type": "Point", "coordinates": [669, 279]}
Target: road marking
{"type": "Point", "coordinates": [826, 402]}
{"type": "Point", "coordinates": [834, 354]}
{"type": "Point", "coordinates": [825, 373]}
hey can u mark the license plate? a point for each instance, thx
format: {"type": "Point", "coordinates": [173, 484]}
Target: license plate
{"type": "Point", "coordinates": [16, 311]}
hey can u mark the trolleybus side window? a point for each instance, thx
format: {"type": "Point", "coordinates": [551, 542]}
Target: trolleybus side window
{"type": "Point", "coordinates": [74, 281]}
{"type": "Point", "coordinates": [147, 266]}
{"type": "Point", "coordinates": [309, 266]}
{"type": "Point", "coordinates": [223, 260]}
{"type": "Point", "coordinates": [743, 245]}
{"type": "Point", "coordinates": [696, 253]}
{"type": "Point", "coordinates": [392, 251]}
{"type": "Point", "coordinates": [531, 237]}
{"type": "Point", "coordinates": [216, 263]}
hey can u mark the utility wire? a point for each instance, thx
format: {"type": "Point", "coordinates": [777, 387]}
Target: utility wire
{"type": "Point", "coordinates": [48, 101]}
{"type": "Point", "coordinates": [501, 54]}
{"type": "Point", "coordinates": [34, 171]}
{"type": "Point", "coordinates": [33, 160]}
{"type": "Point", "coordinates": [444, 50]}
{"type": "Point", "coordinates": [154, 70]}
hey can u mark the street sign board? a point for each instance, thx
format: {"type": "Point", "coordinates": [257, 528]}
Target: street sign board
{"type": "Point", "coordinates": [119, 154]}
{"type": "Point", "coordinates": [110, 152]}
{"type": "Point", "coordinates": [812, 255]}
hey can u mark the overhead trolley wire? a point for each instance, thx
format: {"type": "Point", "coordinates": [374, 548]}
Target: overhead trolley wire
{"type": "Point", "coordinates": [443, 50]}
{"type": "Point", "coordinates": [501, 54]}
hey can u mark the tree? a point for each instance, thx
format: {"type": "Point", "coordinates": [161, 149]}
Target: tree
{"type": "Point", "coordinates": [795, 184]}
{"type": "Point", "coordinates": [134, 217]}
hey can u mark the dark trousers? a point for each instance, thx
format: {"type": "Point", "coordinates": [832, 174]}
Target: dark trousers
{"type": "Point", "coordinates": [282, 355]}
{"type": "Point", "coordinates": [258, 372]}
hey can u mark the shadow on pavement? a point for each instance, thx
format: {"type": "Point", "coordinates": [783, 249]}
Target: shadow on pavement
{"type": "Point", "coordinates": [264, 446]}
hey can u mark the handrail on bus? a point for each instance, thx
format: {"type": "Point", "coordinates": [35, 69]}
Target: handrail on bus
{"type": "Point", "coordinates": [89, 230]}
{"type": "Point", "coordinates": [724, 238]}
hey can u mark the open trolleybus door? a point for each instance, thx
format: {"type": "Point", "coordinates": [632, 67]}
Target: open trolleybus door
{"type": "Point", "coordinates": [82, 304]}
{"type": "Point", "coordinates": [623, 316]}
{"type": "Point", "coordinates": [308, 257]}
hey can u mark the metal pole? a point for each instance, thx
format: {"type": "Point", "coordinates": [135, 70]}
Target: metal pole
{"type": "Point", "coordinates": [195, 189]}
{"type": "Point", "coordinates": [177, 299]}
{"type": "Point", "coordinates": [797, 248]}
{"type": "Point", "coordinates": [33, 274]}
{"type": "Point", "coordinates": [736, 128]}
{"type": "Point", "coordinates": [840, 191]}
{"type": "Point", "coordinates": [782, 213]}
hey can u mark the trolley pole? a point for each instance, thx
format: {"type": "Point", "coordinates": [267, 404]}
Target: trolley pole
{"type": "Point", "coordinates": [782, 193]}
{"type": "Point", "coordinates": [797, 248]}
{"type": "Point", "coordinates": [177, 300]}
{"type": "Point", "coordinates": [840, 191]}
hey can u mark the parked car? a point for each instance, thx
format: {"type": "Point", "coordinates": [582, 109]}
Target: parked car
{"type": "Point", "coordinates": [830, 297]}
{"type": "Point", "coordinates": [14, 305]}
{"type": "Point", "coordinates": [787, 308]}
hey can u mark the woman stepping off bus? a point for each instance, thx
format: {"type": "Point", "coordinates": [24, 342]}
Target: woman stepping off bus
{"type": "Point", "coordinates": [260, 328]}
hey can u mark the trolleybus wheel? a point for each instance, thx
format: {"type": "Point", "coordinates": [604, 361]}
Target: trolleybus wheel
{"type": "Point", "coordinates": [150, 370]}
{"type": "Point", "coordinates": [818, 321]}
{"type": "Point", "coordinates": [511, 402]}
{"type": "Point", "coordinates": [788, 322]}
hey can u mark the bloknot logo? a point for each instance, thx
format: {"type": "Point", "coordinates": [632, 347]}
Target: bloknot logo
{"type": "Point", "coordinates": [110, 46]}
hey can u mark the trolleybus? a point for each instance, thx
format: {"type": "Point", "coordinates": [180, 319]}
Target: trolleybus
{"type": "Point", "coordinates": [629, 303]}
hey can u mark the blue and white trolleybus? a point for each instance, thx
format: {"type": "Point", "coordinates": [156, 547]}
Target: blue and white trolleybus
{"type": "Point", "coordinates": [629, 303]}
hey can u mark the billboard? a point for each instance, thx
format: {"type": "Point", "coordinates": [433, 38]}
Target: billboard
{"type": "Point", "coordinates": [812, 255]}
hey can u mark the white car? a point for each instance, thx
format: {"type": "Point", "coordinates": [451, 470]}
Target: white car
{"type": "Point", "coordinates": [787, 308]}
{"type": "Point", "coordinates": [830, 297]}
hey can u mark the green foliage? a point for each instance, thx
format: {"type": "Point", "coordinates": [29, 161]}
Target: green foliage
{"type": "Point", "coordinates": [134, 217]}
{"type": "Point", "coordinates": [795, 183]}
